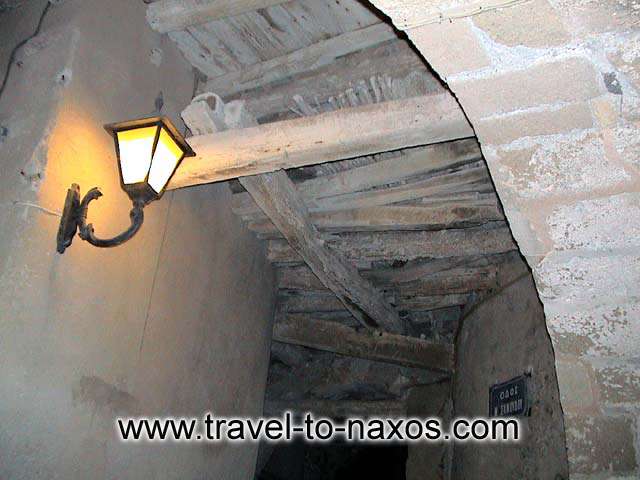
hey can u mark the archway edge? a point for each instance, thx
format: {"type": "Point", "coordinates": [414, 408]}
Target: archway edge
{"type": "Point", "coordinates": [551, 89]}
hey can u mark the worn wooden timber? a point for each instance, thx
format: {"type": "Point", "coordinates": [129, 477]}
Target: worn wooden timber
{"type": "Point", "coordinates": [309, 58]}
{"type": "Point", "coordinates": [322, 138]}
{"type": "Point", "coordinates": [405, 272]}
{"type": "Point", "coordinates": [404, 246]}
{"type": "Point", "coordinates": [170, 15]}
{"type": "Point", "coordinates": [386, 72]}
{"type": "Point", "coordinates": [326, 302]}
{"type": "Point", "coordinates": [391, 218]}
{"type": "Point", "coordinates": [457, 280]}
{"type": "Point", "coordinates": [402, 166]}
{"type": "Point", "coordinates": [343, 340]}
{"type": "Point", "coordinates": [276, 195]}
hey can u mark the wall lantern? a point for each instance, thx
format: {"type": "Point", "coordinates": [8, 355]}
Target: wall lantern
{"type": "Point", "coordinates": [149, 151]}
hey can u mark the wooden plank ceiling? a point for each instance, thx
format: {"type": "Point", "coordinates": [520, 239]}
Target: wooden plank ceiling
{"type": "Point", "coordinates": [407, 237]}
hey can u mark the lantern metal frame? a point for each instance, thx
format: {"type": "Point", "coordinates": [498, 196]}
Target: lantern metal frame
{"type": "Point", "coordinates": [74, 214]}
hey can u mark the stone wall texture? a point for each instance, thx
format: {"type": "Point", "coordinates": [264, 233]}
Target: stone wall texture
{"type": "Point", "coordinates": [552, 89]}
{"type": "Point", "coordinates": [177, 321]}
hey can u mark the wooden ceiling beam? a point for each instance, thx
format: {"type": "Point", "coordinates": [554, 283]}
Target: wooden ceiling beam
{"type": "Point", "coordinates": [404, 246]}
{"type": "Point", "coordinates": [343, 340]}
{"type": "Point", "coordinates": [309, 58]}
{"type": "Point", "coordinates": [171, 15]}
{"type": "Point", "coordinates": [385, 218]}
{"type": "Point", "coordinates": [322, 138]}
{"type": "Point", "coordinates": [388, 71]}
{"type": "Point", "coordinates": [314, 303]}
{"type": "Point", "coordinates": [401, 166]}
{"type": "Point", "coordinates": [277, 197]}
{"type": "Point", "coordinates": [457, 280]}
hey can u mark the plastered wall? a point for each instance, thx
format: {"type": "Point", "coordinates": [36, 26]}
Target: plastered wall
{"type": "Point", "coordinates": [500, 339]}
{"type": "Point", "coordinates": [175, 322]}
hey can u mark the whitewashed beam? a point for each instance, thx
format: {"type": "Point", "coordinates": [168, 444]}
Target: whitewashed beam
{"type": "Point", "coordinates": [171, 15]}
{"type": "Point", "coordinates": [323, 138]}
{"type": "Point", "coordinates": [334, 337]}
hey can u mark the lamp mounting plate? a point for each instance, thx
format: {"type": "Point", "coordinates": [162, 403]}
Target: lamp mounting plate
{"type": "Point", "coordinates": [69, 221]}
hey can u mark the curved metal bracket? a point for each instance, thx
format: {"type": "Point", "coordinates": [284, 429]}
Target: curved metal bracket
{"type": "Point", "coordinates": [86, 230]}
{"type": "Point", "coordinates": [74, 218]}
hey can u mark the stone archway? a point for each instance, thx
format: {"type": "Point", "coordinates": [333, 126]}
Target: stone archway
{"type": "Point", "coordinates": [551, 89]}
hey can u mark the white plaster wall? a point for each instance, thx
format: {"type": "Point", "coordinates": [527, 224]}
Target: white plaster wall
{"type": "Point", "coordinates": [175, 322]}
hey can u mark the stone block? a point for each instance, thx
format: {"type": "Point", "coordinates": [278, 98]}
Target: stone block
{"type": "Point", "coordinates": [541, 84]}
{"type": "Point", "coordinates": [606, 110]}
{"type": "Point", "coordinates": [600, 330]}
{"type": "Point", "coordinates": [562, 165]}
{"type": "Point", "coordinates": [600, 444]}
{"type": "Point", "coordinates": [450, 47]}
{"type": "Point", "coordinates": [619, 383]}
{"type": "Point", "coordinates": [506, 128]}
{"type": "Point", "coordinates": [575, 380]}
{"type": "Point", "coordinates": [627, 143]}
{"type": "Point", "coordinates": [599, 224]}
{"type": "Point", "coordinates": [569, 343]}
{"type": "Point", "coordinates": [532, 24]}
{"type": "Point", "coordinates": [581, 278]}
{"type": "Point", "coordinates": [584, 18]}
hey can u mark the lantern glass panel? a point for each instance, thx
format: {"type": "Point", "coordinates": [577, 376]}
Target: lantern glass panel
{"type": "Point", "coordinates": [167, 155]}
{"type": "Point", "coordinates": [135, 147]}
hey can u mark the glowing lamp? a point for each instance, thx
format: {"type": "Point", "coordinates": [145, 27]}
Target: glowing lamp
{"type": "Point", "coordinates": [149, 152]}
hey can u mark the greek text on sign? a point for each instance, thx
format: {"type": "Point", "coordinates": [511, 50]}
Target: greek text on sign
{"type": "Point", "coordinates": [510, 399]}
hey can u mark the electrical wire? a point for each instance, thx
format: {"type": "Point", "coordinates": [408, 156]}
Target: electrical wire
{"type": "Point", "coordinates": [196, 83]}
{"type": "Point", "coordinates": [12, 57]}
{"type": "Point", "coordinates": [462, 12]}
{"type": "Point", "coordinates": [39, 207]}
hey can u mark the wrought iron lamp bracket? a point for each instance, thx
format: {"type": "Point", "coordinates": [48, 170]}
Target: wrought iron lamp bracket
{"type": "Point", "coordinates": [74, 219]}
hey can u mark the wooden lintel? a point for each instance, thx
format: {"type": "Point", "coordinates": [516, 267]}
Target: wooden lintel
{"type": "Point", "coordinates": [334, 337]}
{"type": "Point", "coordinates": [322, 138]}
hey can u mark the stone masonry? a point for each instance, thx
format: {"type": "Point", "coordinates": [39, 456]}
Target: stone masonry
{"type": "Point", "coordinates": [552, 89]}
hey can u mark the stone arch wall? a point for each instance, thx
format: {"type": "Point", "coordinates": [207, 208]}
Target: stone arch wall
{"type": "Point", "coordinates": [552, 90]}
